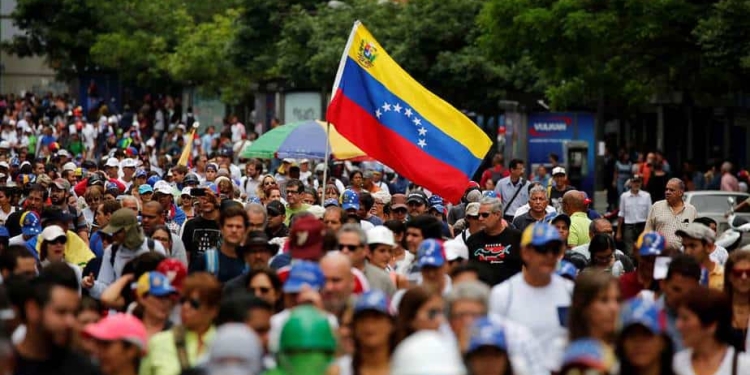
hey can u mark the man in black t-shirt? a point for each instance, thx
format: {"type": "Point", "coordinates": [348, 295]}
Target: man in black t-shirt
{"type": "Point", "coordinates": [49, 314]}
{"type": "Point", "coordinates": [202, 232]}
{"type": "Point", "coordinates": [494, 250]}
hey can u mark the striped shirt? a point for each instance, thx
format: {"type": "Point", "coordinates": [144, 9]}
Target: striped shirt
{"type": "Point", "coordinates": [662, 219]}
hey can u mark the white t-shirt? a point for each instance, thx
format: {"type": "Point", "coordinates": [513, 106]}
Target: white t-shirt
{"type": "Point", "coordinates": [543, 310]}
{"type": "Point", "coordinates": [719, 255]}
{"type": "Point", "coordinates": [681, 364]}
{"type": "Point", "coordinates": [525, 208]}
{"type": "Point", "coordinates": [4, 215]}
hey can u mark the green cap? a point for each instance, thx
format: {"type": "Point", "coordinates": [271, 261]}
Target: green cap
{"type": "Point", "coordinates": [307, 329]}
{"type": "Point", "coordinates": [123, 218]}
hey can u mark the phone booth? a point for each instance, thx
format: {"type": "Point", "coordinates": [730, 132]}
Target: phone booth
{"type": "Point", "coordinates": [576, 161]}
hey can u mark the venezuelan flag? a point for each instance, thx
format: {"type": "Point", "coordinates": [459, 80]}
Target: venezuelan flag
{"type": "Point", "coordinates": [382, 110]}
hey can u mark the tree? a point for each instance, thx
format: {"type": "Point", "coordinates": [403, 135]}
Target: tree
{"type": "Point", "coordinates": [724, 38]}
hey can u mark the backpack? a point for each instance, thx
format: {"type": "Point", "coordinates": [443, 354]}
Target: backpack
{"type": "Point", "coordinates": [150, 243]}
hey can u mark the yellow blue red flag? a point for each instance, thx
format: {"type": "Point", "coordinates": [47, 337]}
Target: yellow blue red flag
{"type": "Point", "coordinates": [385, 112]}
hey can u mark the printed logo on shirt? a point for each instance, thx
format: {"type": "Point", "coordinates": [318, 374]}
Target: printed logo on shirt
{"type": "Point", "coordinates": [492, 253]}
{"type": "Point", "coordinates": [206, 239]}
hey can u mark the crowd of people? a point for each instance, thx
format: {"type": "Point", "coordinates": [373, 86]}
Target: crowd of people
{"type": "Point", "coordinates": [118, 260]}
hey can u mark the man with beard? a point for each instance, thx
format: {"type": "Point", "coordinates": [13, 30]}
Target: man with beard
{"type": "Point", "coordinates": [202, 232]}
{"type": "Point", "coordinates": [59, 191]}
{"type": "Point", "coordinates": [49, 314]}
{"type": "Point", "coordinates": [339, 283]}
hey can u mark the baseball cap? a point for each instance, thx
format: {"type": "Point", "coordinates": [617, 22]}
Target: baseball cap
{"type": "Point", "coordinates": [472, 209]}
{"type": "Point", "coordinates": [636, 177]}
{"type": "Point", "coordinates": [63, 153]}
{"type": "Point", "coordinates": [145, 189]}
{"type": "Point", "coordinates": [123, 218]}
{"type": "Point", "coordinates": [430, 253]}
{"type": "Point", "coordinates": [562, 217]}
{"type": "Point", "coordinates": [185, 191]}
{"type": "Point", "coordinates": [435, 200]}
{"type": "Point", "coordinates": [642, 312]}
{"type": "Point", "coordinates": [175, 271]}
{"type": "Point", "coordinates": [698, 232]}
{"type": "Point", "coordinates": [398, 201]}
{"type": "Point", "coordinates": [304, 273]}
{"type": "Point", "coordinates": [141, 173]}
{"type": "Point", "coordinates": [486, 333]}
{"type": "Point", "coordinates": [288, 160]}
{"type": "Point", "coordinates": [61, 184]}
{"type": "Point", "coordinates": [52, 233]}
{"type": "Point", "coordinates": [539, 234]}
{"type": "Point", "coordinates": [589, 353]}
{"type": "Point", "coordinates": [380, 235]}
{"type": "Point", "coordinates": [331, 202]}
{"type": "Point", "coordinates": [652, 243]}
{"type": "Point", "coordinates": [115, 327]}
{"type": "Point", "coordinates": [439, 208]}
{"type": "Point", "coordinates": [112, 162]}
{"type": "Point", "coordinates": [489, 194]}
{"type": "Point", "coordinates": [417, 196]}
{"type": "Point", "coordinates": [275, 208]}
{"type": "Point", "coordinates": [236, 350]}
{"type": "Point", "coordinates": [558, 171]}
{"type": "Point", "coordinates": [455, 249]}
{"type": "Point", "coordinates": [31, 224]}
{"type": "Point", "coordinates": [566, 269]}
{"type": "Point", "coordinates": [372, 300]}
{"type": "Point", "coordinates": [163, 187]}
{"type": "Point", "coordinates": [306, 238]}
{"type": "Point", "coordinates": [69, 166]}
{"type": "Point", "coordinates": [154, 283]}
{"type": "Point", "coordinates": [350, 200]}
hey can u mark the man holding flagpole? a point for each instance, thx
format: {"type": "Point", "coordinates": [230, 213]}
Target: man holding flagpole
{"type": "Point", "coordinates": [374, 101]}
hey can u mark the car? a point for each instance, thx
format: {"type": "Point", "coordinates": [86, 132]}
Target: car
{"type": "Point", "coordinates": [713, 204]}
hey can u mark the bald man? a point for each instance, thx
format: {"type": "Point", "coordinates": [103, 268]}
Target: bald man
{"type": "Point", "coordinates": [671, 214]}
{"type": "Point", "coordinates": [573, 204]}
{"type": "Point", "coordinates": [339, 286]}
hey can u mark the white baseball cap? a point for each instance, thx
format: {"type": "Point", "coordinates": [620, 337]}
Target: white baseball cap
{"type": "Point", "coordinates": [69, 166]}
{"type": "Point", "coordinates": [162, 187]}
{"type": "Point", "coordinates": [4, 164]}
{"type": "Point", "coordinates": [558, 170]}
{"type": "Point", "coordinates": [129, 163]}
{"type": "Point", "coordinates": [64, 153]}
{"type": "Point", "coordinates": [455, 249]}
{"type": "Point", "coordinates": [186, 191]}
{"type": "Point", "coordinates": [380, 235]}
{"type": "Point", "coordinates": [112, 162]}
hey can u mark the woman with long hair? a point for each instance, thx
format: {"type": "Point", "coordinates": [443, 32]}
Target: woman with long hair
{"type": "Point", "coordinates": [737, 288]}
{"type": "Point", "coordinates": [266, 182]}
{"type": "Point", "coordinates": [705, 322]}
{"type": "Point", "coordinates": [643, 347]}
{"type": "Point", "coordinates": [332, 192]}
{"type": "Point", "coordinates": [374, 336]}
{"type": "Point", "coordinates": [265, 284]}
{"type": "Point", "coordinates": [357, 181]}
{"type": "Point", "coordinates": [594, 311]}
{"type": "Point", "coordinates": [421, 308]}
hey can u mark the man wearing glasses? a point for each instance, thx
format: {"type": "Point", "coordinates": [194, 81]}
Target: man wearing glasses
{"type": "Point", "coordinates": [294, 189]}
{"type": "Point", "coordinates": [495, 249]}
{"type": "Point", "coordinates": [538, 298]}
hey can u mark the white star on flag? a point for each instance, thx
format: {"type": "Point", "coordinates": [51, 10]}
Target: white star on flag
{"type": "Point", "coordinates": [422, 131]}
{"type": "Point", "coordinates": [397, 108]}
{"type": "Point", "coordinates": [422, 143]}
{"type": "Point", "coordinates": [386, 107]}
{"type": "Point", "coordinates": [417, 121]}
{"type": "Point", "coordinates": [378, 113]}
{"type": "Point", "coordinates": [407, 112]}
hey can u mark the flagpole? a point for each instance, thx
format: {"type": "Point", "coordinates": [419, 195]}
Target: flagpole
{"type": "Point", "coordinates": [327, 156]}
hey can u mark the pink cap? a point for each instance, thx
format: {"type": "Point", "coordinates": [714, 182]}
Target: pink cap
{"type": "Point", "coordinates": [119, 327]}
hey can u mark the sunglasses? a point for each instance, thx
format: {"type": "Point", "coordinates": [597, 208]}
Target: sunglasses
{"type": "Point", "coordinates": [484, 214]}
{"type": "Point", "coordinates": [473, 217]}
{"type": "Point", "coordinates": [550, 249]}
{"type": "Point", "coordinates": [58, 241]}
{"type": "Point", "coordinates": [194, 303]}
{"type": "Point", "coordinates": [348, 247]}
{"type": "Point", "coordinates": [292, 192]}
{"type": "Point", "coordinates": [260, 290]}
{"type": "Point", "coordinates": [269, 183]}
{"type": "Point", "coordinates": [740, 272]}
{"type": "Point", "coordinates": [400, 211]}
{"type": "Point", "coordinates": [415, 204]}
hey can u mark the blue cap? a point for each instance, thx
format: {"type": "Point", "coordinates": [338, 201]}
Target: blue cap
{"type": "Point", "coordinates": [4, 231]}
{"type": "Point", "coordinates": [254, 200]}
{"type": "Point", "coordinates": [439, 208]}
{"type": "Point", "coordinates": [651, 243]}
{"type": "Point", "coordinates": [145, 188]}
{"type": "Point", "coordinates": [350, 200]}
{"type": "Point", "coordinates": [331, 202]}
{"type": "Point", "coordinates": [31, 224]}
{"type": "Point", "coordinates": [566, 269]}
{"type": "Point", "coordinates": [486, 333]}
{"type": "Point", "coordinates": [435, 200]}
{"type": "Point", "coordinates": [111, 185]}
{"type": "Point", "coordinates": [304, 273]}
{"type": "Point", "coordinates": [153, 180]}
{"type": "Point", "coordinates": [154, 283]}
{"type": "Point", "coordinates": [643, 312]}
{"type": "Point", "coordinates": [489, 194]}
{"type": "Point", "coordinates": [539, 234]}
{"type": "Point", "coordinates": [373, 300]}
{"type": "Point", "coordinates": [141, 173]}
{"type": "Point", "coordinates": [586, 352]}
{"type": "Point", "coordinates": [210, 186]}
{"type": "Point", "coordinates": [430, 253]}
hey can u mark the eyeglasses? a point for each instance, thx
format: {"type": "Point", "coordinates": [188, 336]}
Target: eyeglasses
{"type": "Point", "coordinates": [58, 241]}
{"type": "Point", "coordinates": [292, 192]}
{"type": "Point", "coordinates": [552, 248]}
{"type": "Point", "coordinates": [740, 272]}
{"type": "Point", "coordinates": [400, 211]}
{"type": "Point", "coordinates": [269, 183]}
{"type": "Point", "coordinates": [432, 314]}
{"type": "Point", "coordinates": [415, 204]}
{"type": "Point", "coordinates": [484, 215]}
{"type": "Point", "coordinates": [260, 290]}
{"type": "Point", "coordinates": [603, 258]}
{"type": "Point", "coordinates": [348, 247]}
{"type": "Point", "coordinates": [472, 217]}
{"type": "Point", "coordinates": [194, 303]}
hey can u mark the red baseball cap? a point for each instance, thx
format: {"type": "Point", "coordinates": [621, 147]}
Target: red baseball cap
{"type": "Point", "coordinates": [119, 327]}
{"type": "Point", "coordinates": [306, 238]}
